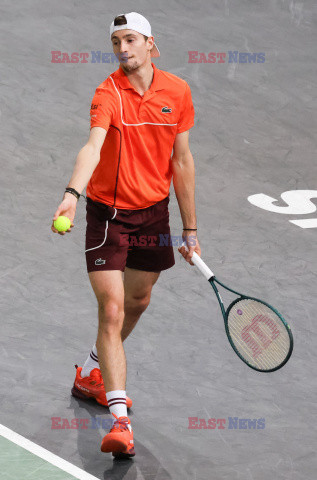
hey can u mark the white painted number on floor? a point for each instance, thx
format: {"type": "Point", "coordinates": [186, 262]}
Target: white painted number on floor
{"type": "Point", "coordinates": [298, 203]}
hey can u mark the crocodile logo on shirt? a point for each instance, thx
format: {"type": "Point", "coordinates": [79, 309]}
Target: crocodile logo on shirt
{"type": "Point", "coordinates": [100, 261]}
{"type": "Point", "coordinates": [166, 110]}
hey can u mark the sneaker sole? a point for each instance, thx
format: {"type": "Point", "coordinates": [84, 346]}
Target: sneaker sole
{"type": "Point", "coordinates": [118, 449]}
{"type": "Point", "coordinates": [78, 394]}
{"type": "Point", "coordinates": [121, 456]}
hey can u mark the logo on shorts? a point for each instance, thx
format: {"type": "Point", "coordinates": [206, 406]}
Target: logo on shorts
{"type": "Point", "coordinates": [166, 110]}
{"type": "Point", "coordinates": [100, 261]}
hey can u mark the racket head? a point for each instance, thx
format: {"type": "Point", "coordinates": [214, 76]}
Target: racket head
{"type": "Point", "coordinates": [258, 334]}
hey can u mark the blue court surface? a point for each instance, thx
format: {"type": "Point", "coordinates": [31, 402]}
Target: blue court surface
{"type": "Point", "coordinates": [254, 145]}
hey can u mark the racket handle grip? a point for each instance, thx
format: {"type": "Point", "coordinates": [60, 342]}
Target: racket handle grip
{"type": "Point", "coordinates": [200, 264]}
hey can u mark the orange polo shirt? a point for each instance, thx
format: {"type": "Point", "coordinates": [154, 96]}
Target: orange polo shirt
{"type": "Point", "coordinates": [135, 160]}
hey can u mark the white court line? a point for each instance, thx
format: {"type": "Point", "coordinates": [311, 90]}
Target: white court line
{"type": "Point", "coordinates": [45, 454]}
{"type": "Point", "coordinates": [306, 223]}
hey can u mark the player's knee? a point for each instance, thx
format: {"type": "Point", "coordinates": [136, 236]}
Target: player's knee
{"type": "Point", "coordinates": [111, 315]}
{"type": "Point", "coordinates": [136, 305]}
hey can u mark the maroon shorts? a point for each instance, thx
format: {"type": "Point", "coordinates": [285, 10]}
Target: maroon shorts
{"type": "Point", "coordinates": [138, 239]}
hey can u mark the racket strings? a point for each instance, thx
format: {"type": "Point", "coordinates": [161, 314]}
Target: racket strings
{"type": "Point", "coordinates": [264, 354]}
{"type": "Point", "coordinates": [258, 334]}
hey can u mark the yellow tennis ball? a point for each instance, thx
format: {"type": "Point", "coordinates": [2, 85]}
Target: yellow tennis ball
{"type": "Point", "coordinates": [62, 224]}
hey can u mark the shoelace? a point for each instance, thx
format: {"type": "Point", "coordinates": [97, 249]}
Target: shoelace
{"type": "Point", "coordinates": [121, 424]}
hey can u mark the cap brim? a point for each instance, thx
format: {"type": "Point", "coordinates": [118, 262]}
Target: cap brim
{"type": "Point", "coordinates": [155, 51]}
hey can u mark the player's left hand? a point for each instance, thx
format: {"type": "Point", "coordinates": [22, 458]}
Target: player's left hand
{"type": "Point", "coordinates": [191, 240]}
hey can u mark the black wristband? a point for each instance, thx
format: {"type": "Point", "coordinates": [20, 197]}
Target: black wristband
{"type": "Point", "coordinates": [75, 193]}
{"type": "Point", "coordinates": [190, 229]}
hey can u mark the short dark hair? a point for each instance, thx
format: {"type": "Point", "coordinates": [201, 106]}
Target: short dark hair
{"type": "Point", "coordinates": [121, 20]}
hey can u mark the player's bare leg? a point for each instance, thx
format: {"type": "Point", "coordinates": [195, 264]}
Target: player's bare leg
{"type": "Point", "coordinates": [137, 294]}
{"type": "Point", "coordinates": [109, 290]}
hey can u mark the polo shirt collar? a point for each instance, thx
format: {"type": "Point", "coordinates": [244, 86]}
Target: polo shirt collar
{"type": "Point", "coordinates": [157, 82]}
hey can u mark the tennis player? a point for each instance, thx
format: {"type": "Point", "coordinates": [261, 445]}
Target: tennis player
{"type": "Point", "coordinates": [140, 121]}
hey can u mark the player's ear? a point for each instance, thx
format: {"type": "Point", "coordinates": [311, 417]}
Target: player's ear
{"type": "Point", "coordinates": [150, 42]}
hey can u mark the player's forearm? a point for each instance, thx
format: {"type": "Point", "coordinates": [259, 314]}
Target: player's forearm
{"type": "Point", "coordinates": [86, 162]}
{"type": "Point", "coordinates": [184, 186]}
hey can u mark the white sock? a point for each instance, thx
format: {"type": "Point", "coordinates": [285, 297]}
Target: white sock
{"type": "Point", "coordinates": [91, 362]}
{"type": "Point", "coordinates": [117, 401]}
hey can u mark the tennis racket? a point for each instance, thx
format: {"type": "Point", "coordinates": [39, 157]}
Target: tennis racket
{"type": "Point", "coordinates": [256, 331]}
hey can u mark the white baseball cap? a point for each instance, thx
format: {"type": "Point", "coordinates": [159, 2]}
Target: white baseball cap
{"type": "Point", "coordinates": [138, 23]}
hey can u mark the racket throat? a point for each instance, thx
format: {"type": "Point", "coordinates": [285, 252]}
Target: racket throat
{"type": "Point", "coordinates": [219, 298]}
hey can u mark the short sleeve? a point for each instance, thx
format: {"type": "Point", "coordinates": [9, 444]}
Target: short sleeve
{"type": "Point", "coordinates": [102, 109]}
{"type": "Point", "coordinates": [186, 119]}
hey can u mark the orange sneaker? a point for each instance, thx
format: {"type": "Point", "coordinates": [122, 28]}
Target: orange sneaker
{"type": "Point", "coordinates": [92, 387]}
{"type": "Point", "coordinates": [119, 440]}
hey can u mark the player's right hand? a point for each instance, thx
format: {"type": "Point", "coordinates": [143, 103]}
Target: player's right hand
{"type": "Point", "coordinates": [68, 209]}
